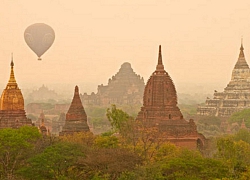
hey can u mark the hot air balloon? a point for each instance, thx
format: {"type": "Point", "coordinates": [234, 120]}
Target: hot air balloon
{"type": "Point", "coordinates": [39, 37]}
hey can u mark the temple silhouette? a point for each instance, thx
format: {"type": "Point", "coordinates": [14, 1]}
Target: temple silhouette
{"type": "Point", "coordinates": [160, 110]}
{"type": "Point", "coordinates": [76, 118]}
{"type": "Point", "coordinates": [235, 97]}
{"type": "Point", "coordinates": [124, 88]}
{"type": "Point", "coordinates": [12, 113]}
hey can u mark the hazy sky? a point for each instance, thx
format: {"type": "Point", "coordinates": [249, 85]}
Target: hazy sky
{"type": "Point", "coordinates": [200, 39]}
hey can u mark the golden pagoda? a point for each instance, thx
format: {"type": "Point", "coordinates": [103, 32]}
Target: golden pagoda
{"type": "Point", "coordinates": [12, 113]}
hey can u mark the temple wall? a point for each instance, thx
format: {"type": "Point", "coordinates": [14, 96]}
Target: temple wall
{"type": "Point", "coordinates": [191, 144]}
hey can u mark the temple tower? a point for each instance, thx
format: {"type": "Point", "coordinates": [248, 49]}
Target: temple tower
{"type": "Point", "coordinates": [124, 88]}
{"type": "Point", "coordinates": [42, 128]}
{"type": "Point", "coordinates": [76, 118]}
{"type": "Point", "coordinates": [160, 110]}
{"type": "Point", "coordinates": [12, 113]}
{"type": "Point", "coordinates": [235, 97]}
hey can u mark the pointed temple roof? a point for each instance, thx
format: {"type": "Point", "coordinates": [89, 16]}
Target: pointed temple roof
{"type": "Point", "coordinates": [12, 79]}
{"type": "Point", "coordinates": [12, 113]}
{"type": "Point", "coordinates": [76, 118]}
{"type": "Point", "coordinates": [240, 74]}
{"type": "Point", "coordinates": [43, 128]}
{"type": "Point", "coordinates": [241, 63]}
{"type": "Point", "coordinates": [160, 90]}
{"type": "Point", "coordinates": [236, 95]}
{"type": "Point", "coordinates": [76, 103]}
{"type": "Point", "coordinates": [12, 98]}
{"type": "Point", "coordinates": [243, 125]}
{"type": "Point", "coordinates": [160, 110]}
{"type": "Point", "coordinates": [159, 66]}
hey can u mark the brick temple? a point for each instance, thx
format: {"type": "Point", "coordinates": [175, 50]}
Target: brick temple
{"type": "Point", "coordinates": [160, 110]}
{"type": "Point", "coordinates": [12, 113]}
{"type": "Point", "coordinates": [235, 97]}
{"type": "Point", "coordinates": [125, 87]}
{"type": "Point", "coordinates": [76, 118]}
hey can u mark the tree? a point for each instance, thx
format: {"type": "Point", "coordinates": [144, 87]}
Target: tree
{"type": "Point", "coordinates": [81, 138]}
{"type": "Point", "coordinates": [15, 146]}
{"type": "Point", "coordinates": [234, 153]}
{"type": "Point", "coordinates": [148, 139]}
{"type": "Point", "coordinates": [191, 165]}
{"type": "Point", "coordinates": [57, 161]}
{"type": "Point", "coordinates": [106, 141]}
{"type": "Point", "coordinates": [240, 116]}
{"type": "Point", "coordinates": [117, 117]}
{"type": "Point", "coordinates": [139, 136]}
{"type": "Point", "coordinates": [242, 134]}
{"type": "Point", "coordinates": [107, 163]}
{"type": "Point", "coordinates": [184, 165]}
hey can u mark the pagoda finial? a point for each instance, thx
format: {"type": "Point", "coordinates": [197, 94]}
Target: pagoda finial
{"type": "Point", "coordinates": [159, 56]}
{"type": "Point", "coordinates": [12, 63]}
{"type": "Point", "coordinates": [160, 66]}
{"type": "Point", "coordinates": [241, 49]}
{"type": "Point", "coordinates": [12, 76]}
{"type": "Point", "coordinates": [76, 89]}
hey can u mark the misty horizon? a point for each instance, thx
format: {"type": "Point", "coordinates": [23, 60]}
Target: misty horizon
{"type": "Point", "coordinates": [200, 42]}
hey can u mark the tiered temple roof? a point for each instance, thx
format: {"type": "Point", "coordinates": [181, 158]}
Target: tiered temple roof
{"type": "Point", "coordinates": [160, 110]}
{"type": "Point", "coordinates": [12, 113]}
{"type": "Point", "coordinates": [235, 97]}
{"type": "Point", "coordinates": [125, 87]}
{"type": "Point", "coordinates": [76, 118]}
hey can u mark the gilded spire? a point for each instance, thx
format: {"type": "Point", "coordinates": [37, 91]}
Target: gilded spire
{"type": "Point", "coordinates": [12, 76]}
{"type": "Point", "coordinates": [160, 66]}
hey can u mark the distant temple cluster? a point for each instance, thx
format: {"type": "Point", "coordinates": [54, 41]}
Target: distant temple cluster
{"type": "Point", "coordinates": [125, 87]}
{"type": "Point", "coordinates": [235, 97]}
{"type": "Point", "coordinates": [158, 98]}
{"type": "Point", "coordinates": [43, 93]}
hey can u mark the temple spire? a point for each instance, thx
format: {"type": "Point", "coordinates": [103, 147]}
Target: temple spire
{"type": "Point", "coordinates": [241, 63]}
{"type": "Point", "coordinates": [241, 49]}
{"type": "Point", "coordinates": [12, 76]}
{"type": "Point", "coordinates": [160, 66]}
{"type": "Point", "coordinates": [76, 90]}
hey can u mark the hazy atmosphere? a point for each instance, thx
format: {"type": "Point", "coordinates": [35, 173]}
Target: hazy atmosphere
{"type": "Point", "coordinates": [200, 40]}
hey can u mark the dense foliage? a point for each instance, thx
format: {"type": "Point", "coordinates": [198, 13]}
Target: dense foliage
{"type": "Point", "coordinates": [118, 155]}
{"type": "Point", "coordinates": [240, 116]}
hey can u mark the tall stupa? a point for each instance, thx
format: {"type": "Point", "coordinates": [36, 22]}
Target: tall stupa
{"type": "Point", "coordinates": [160, 110]}
{"type": "Point", "coordinates": [12, 113]}
{"type": "Point", "coordinates": [76, 118]}
{"type": "Point", "coordinates": [235, 97]}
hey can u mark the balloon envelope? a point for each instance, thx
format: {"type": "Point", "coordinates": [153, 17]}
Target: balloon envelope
{"type": "Point", "coordinates": [39, 37]}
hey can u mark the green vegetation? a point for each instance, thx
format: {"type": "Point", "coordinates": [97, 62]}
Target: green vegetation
{"type": "Point", "coordinates": [130, 150]}
{"type": "Point", "coordinates": [240, 116]}
{"type": "Point", "coordinates": [188, 110]}
{"type": "Point", "coordinates": [15, 147]}
{"type": "Point", "coordinates": [97, 116]}
{"type": "Point", "coordinates": [209, 126]}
